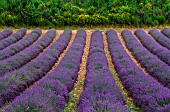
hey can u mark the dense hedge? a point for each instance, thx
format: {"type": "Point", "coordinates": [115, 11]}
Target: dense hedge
{"type": "Point", "coordinates": [84, 12]}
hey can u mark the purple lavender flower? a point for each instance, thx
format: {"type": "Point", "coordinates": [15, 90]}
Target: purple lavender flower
{"type": "Point", "coordinates": [12, 38]}
{"type": "Point", "coordinates": [52, 92]}
{"type": "Point", "coordinates": [160, 38]}
{"type": "Point", "coordinates": [18, 80]}
{"type": "Point", "coordinates": [155, 48]}
{"type": "Point", "coordinates": [20, 45]}
{"type": "Point", "coordinates": [146, 92]}
{"type": "Point", "coordinates": [5, 33]}
{"type": "Point", "coordinates": [25, 56]}
{"type": "Point", "coordinates": [166, 32]}
{"type": "Point", "coordinates": [100, 92]}
{"type": "Point", "coordinates": [156, 67]}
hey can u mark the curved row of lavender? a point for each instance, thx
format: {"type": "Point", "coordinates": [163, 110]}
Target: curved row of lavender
{"type": "Point", "coordinates": [52, 92]}
{"type": "Point", "coordinates": [67, 70]}
{"type": "Point", "coordinates": [166, 32]}
{"type": "Point", "coordinates": [20, 45]}
{"type": "Point", "coordinates": [100, 93]}
{"type": "Point", "coordinates": [5, 33]}
{"type": "Point", "coordinates": [20, 59]}
{"type": "Point", "coordinates": [13, 38]}
{"type": "Point", "coordinates": [161, 52]}
{"type": "Point", "coordinates": [17, 81]}
{"type": "Point", "coordinates": [160, 38]}
{"type": "Point", "coordinates": [155, 67]}
{"type": "Point", "coordinates": [146, 92]}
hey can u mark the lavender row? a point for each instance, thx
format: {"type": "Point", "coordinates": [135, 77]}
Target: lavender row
{"type": "Point", "coordinates": [146, 92]}
{"type": "Point", "coordinates": [20, 45]}
{"type": "Point", "coordinates": [67, 70]}
{"type": "Point", "coordinates": [12, 38]}
{"type": "Point", "coordinates": [17, 81]}
{"type": "Point", "coordinates": [160, 38]}
{"type": "Point", "coordinates": [100, 93]}
{"type": "Point", "coordinates": [51, 93]}
{"type": "Point", "coordinates": [155, 48]}
{"type": "Point", "coordinates": [156, 68]}
{"type": "Point", "coordinates": [5, 33]}
{"type": "Point", "coordinates": [166, 32]}
{"type": "Point", "coordinates": [25, 56]}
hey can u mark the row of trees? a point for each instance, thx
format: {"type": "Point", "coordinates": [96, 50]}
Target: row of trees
{"type": "Point", "coordinates": [84, 12]}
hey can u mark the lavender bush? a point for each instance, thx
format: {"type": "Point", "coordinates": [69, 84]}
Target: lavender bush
{"type": "Point", "coordinates": [155, 48]}
{"type": "Point", "coordinates": [100, 92]}
{"type": "Point", "coordinates": [146, 92]}
{"type": "Point", "coordinates": [166, 32]}
{"type": "Point", "coordinates": [25, 56]}
{"type": "Point", "coordinates": [51, 93]}
{"type": "Point", "coordinates": [67, 71]}
{"type": "Point", "coordinates": [18, 80]}
{"type": "Point", "coordinates": [5, 33]}
{"type": "Point", "coordinates": [155, 67]}
{"type": "Point", "coordinates": [12, 38]}
{"type": "Point", "coordinates": [160, 38]}
{"type": "Point", "coordinates": [20, 45]}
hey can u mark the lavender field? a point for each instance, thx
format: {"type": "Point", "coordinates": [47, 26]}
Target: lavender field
{"type": "Point", "coordinates": [84, 70]}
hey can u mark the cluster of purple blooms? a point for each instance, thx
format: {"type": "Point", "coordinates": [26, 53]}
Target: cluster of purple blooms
{"type": "Point", "coordinates": [146, 92]}
{"type": "Point", "coordinates": [155, 67]}
{"type": "Point", "coordinates": [18, 80]}
{"type": "Point", "coordinates": [67, 70]}
{"type": "Point", "coordinates": [20, 45]}
{"type": "Point", "coordinates": [160, 38]}
{"type": "Point", "coordinates": [13, 38]}
{"type": "Point", "coordinates": [52, 92]}
{"type": "Point", "coordinates": [166, 32]}
{"type": "Point", "coordinates": [5, 33]}
{"type": "Point", "coordinates": [100, 93]}
{"type": "Point", "coordinates": [20, 59]}
{"type": "Point", "coordinates": [154, 47]}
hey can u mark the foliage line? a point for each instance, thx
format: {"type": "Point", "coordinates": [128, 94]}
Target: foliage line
{"type": "Point", "coordinates": [84, 12]}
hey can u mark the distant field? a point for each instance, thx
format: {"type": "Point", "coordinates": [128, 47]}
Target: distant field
{"type": "Point", "coordinates": [103, 70]}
